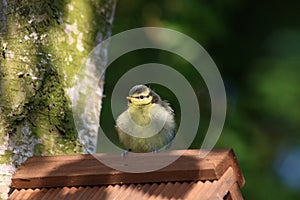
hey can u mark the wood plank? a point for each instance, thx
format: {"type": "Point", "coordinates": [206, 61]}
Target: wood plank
{"type": "Point", "coordinates": [201, 193]}
{"type": "Point", "coordinates": [222, 186]}
{"type": "Point", "coordinates": [79, 170]}
{"type": "Point", "coordinates": [232, 162]}
{"type": "Point", "coordinates": [235, 192]}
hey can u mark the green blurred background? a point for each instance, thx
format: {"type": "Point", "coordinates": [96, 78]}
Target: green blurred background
{"type": "Point", "coordinates": [256, 46]}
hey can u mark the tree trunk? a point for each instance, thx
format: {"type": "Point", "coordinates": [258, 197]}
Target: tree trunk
{"type": "Point", "coordinates": [43, 46]}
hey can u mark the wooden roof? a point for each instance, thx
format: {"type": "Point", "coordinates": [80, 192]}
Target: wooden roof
{"type": "Point", "coordinates": [217, 176]}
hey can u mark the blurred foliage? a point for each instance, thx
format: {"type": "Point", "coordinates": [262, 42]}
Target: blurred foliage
{"type": "Point", "coordinates": [256, 45]}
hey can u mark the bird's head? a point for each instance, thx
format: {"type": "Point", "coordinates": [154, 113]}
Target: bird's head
{"type": "Point", "coordinates": [141, 95]}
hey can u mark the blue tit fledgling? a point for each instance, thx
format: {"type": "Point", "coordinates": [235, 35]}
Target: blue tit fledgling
{"type": "Point", "coordinates": [148, 124]}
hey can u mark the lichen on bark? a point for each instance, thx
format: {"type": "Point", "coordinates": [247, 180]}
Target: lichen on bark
{"type": "Point", "coordinates": [43, 44]}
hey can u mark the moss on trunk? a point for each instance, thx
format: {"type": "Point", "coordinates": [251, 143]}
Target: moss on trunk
{"type": "Point", "coordinates": [43, 46]}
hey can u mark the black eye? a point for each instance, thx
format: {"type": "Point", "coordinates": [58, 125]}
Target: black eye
{"type": "Point", "coordinates": [142, 97]}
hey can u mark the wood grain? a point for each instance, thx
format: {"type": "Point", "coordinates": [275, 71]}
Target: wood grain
{"type": "Point", "coordinates": [79, 170]}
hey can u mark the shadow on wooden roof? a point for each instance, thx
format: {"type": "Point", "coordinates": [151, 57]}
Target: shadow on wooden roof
{"type": "Point", "coordinates": [217, 176]}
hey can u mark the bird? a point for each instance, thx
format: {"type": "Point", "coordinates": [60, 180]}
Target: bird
{"type": "Point", "coordinates": [147, 125]}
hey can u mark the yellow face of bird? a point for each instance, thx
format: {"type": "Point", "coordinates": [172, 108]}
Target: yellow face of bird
{"type": "Point", "coordinates": [140, 99]}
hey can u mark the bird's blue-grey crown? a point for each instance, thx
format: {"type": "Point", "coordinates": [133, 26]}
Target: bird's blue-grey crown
{"type": "Point", "coordinates": [137, 89]}
{"type": "Point", "coordinates": [141, 88]}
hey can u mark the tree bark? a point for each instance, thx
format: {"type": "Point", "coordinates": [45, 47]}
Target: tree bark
{"type": "Point", "coordinates": [43, 44]}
